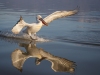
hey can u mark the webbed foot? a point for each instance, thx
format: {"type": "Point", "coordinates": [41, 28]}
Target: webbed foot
{"type": "Point", "coordinates": [33, 38]}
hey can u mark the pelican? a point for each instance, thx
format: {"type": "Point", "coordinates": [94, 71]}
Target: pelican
{"type": "Point", "coordinates": [33, 28]}
{"type": "Point", "coordinates": [58, 64]}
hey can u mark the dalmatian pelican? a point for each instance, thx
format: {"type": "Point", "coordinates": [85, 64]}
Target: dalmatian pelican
{"type": "Point", "coordinates": [33, 28]}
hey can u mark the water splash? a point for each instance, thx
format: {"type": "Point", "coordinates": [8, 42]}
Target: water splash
{"type": "Point", "coordinates": [19, 38]}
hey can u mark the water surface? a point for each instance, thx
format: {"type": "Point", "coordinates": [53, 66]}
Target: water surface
{"type": "Point", "coordinates": [75, 38]}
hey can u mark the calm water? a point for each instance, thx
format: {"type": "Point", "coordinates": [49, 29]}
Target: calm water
{"type": "Point", "coordinates": [75, 38]}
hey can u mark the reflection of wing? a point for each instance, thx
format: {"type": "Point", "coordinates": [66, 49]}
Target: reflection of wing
{"type": "Point", "coordinates": [62, 65]}
{"type": "Point", "coordinates": [59, 14]}
{"type": "Point", "coordinates": [18, 59]}
{"type": "Point", "coordinates": [58, 64]}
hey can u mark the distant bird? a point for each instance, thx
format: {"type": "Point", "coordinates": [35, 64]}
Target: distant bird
{"type": "Point", "coordinates": [35, 27]}
{"type": "Point", "coordinates": [58, 64]}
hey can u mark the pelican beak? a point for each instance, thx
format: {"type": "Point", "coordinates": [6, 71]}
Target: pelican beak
{"type": "Point", "coordinates": [43, 22]}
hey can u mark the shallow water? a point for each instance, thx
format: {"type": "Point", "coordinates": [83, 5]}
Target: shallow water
{"type": "Point", "coordinates": [75, 38]}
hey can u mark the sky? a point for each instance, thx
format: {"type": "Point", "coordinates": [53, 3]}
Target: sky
{"type": "Point", "coordinates": [85, 5]}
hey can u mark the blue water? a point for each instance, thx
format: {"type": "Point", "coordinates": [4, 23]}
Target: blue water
{"type": "Point", "coordinates": [75, 38]}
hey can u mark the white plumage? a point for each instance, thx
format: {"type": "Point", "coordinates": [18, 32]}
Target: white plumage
{"type": "Point", "coordinates": [59, 14]}
{"type": "Point", "coordinates": [35, 27]}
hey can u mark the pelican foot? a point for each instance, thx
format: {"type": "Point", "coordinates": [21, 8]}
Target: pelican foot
{"type": "Point", "coordinates": [33, 38]}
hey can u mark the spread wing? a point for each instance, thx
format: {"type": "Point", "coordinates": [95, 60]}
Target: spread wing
{"type": "Point", "coordinates": [59, 14]}
{"type": "Point", "coordinates": [18, 59]}
{"type": "Point", "coordinates": [18, 26]}
{"type": "Point", "coordinates": [62, 65]}
{"type": "Point", "coordinates": [58, 64]}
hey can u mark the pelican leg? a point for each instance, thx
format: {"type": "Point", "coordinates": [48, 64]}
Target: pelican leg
{"type": "Point", "coordinates": [33, 42]}
{"type": "Point", "coordinates": [33, 38]}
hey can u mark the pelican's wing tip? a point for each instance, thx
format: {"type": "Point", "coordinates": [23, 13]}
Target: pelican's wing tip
{"type": "Point", "coordinates": [21, 18]}
{"type": "Point", "coordinates": [77, 8]}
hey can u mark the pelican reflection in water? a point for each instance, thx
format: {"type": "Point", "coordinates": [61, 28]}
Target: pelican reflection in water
{"type": "Point", "coordinates": [58, 64]}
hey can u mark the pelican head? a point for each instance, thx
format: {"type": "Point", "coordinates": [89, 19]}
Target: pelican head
{"type": "Point", "coordinates": [39, 18]}
{"type": "Point", "coordinates": [18, 26]}
{"type": "Point", "coordinates": [37, 62]}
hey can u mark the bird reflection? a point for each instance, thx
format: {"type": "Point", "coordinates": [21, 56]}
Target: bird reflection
{"type": "Point", "coordinates": [58, 64]}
